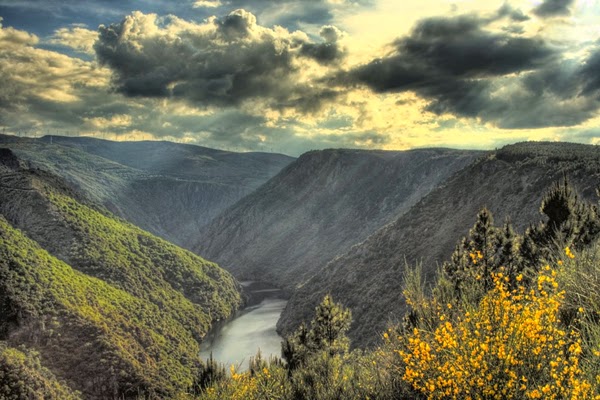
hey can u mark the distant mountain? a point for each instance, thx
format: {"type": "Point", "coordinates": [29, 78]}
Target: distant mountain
{"type": "Point", "coordinates": [319, 206]}
{"type": "Point", "coordinates": [166, 188]}
{"type": "Point", "coordinates": [113, 311]}
{"type": "Point", "coordinates": [510, 182]}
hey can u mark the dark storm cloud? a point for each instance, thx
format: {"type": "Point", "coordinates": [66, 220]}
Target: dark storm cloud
{"type": "Point", "coordinates": [590, 75]}
{"type": "Point", "coordinates": [222, 62]}
{"type": "Point", "coordinates": [461, 47]}
{"type": "Point", "coordinates": [441, 51]}
{"type": "Point", "coordinates": [513, 13]}
{"type": "Point", "coordinates": [553, 8]}
{"type": "Point", "coordinates": [464, 68]}
{"type": "Point", "coordinates": [329, 51]}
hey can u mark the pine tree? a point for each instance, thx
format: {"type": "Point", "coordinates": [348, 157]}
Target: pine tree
{"type": "Point", "coordinates": [296, 348]}
{"type": "Point", "coordinates": [327, 333]}
{"type": "Point", "coordinates": [569, 223]}
{"type": "Point", "coordinates": [507, 255]}
{"type": "Point", "coordinates": [208, 374]}
{"type": "Point", "coordinates": [560, 205]}
{"type": "Point", "coordinates": [588, 221]}
{"type": "Point", "coordinates": [475, 256]}
{"type": "Point", "coordinates": [329, 326]}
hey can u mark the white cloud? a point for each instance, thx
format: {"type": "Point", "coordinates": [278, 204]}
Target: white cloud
{"type": "Point", "coordinates": [207, 3]}
{"type": "Point", "coordinates": [75, 37]}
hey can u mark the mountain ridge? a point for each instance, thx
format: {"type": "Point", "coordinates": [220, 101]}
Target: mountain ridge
{"type": "Point", "coordinates": [317, 206]}
{"type": "Point", "coordinates": [510, 182]}
{"type": "Point", "coordinates": [160, 199]}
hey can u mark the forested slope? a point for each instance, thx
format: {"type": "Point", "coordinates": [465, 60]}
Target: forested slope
{"type": "Point", "coordinates": [111, 309]}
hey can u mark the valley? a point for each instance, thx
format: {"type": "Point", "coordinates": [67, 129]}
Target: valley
{"type": "Point", "coordinates": [343, 223]}
{"type": "Point", "coordinates": [169, 189]}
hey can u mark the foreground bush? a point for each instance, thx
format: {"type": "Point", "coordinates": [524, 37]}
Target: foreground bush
{"type": "Point", "coordinates": [511, 345]}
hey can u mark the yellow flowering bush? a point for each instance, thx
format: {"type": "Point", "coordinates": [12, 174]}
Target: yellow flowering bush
{"type": "Point", "coordinates": [509, 346]}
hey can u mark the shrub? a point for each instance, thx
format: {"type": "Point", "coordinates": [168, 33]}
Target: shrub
{"type": "Point", "coordinates": [509, 346]}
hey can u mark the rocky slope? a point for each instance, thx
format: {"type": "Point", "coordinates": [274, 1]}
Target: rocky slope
{"type": "Point", "coordinates": [169, 189]}
{"type": "Point", "coordinates": [113, 311]}
{"type": "Point", "coordinates": [510, 182]}
{"type": "Point", "coordinates": [319, 206]}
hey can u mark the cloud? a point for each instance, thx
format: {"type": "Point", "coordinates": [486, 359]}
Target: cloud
{"type": "Point", "coordinates": [329, 51]}
{"type": "Point", "coordinates": [115, 121]}
{"type": "Point", "coordinates": [41, 87]}
{"type": "Point", "coordinates": [295, 14]}
{"type": "Point", "coordinates": [465, 68]}
{"type": "Point", "coordinates": [76, 37]}
{"type": "Point", "coordinates": [513, 13]}
{"type": "Point", "coordinates": [589, 74]}
{"type": "Point", "coordinates": [553, 8]}
{"type": "Point", "coordinates": [12, 38]}
{"type": "Point", "coordinates": [222, 62]}
{"type": "Point", "coordinates": [207, 4]}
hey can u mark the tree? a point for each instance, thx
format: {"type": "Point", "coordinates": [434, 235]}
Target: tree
{"type": "Point", "coordinates": [329, 327]}
{"type": "Point", "coordinates": [475, 256]}
{"type": "Point", "coordinates": [208, 374]}
{"type": "Point", "coordinates": [327, 334]}
{"type": "Point", "coordinates": [570, 222]}
{"type": "Point", "coordinates": [508, 251]}
{"type": "Point", "coordinates": [295, 349]}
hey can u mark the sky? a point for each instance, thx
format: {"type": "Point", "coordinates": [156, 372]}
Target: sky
{"type": "Point", "coordinates": [291, 76]}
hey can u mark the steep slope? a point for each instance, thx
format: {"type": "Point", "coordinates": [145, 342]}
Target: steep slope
{"type": "Point", "coordinates": [510, 182]}
{"type": "Point", "coordinates": [23, 377]}
{"type": "Point", "coordinates": [166, 188]}
{"type": "Point", "coordinates": [319, 206]}
{"type": "Point", "coordinates": [112, 310]}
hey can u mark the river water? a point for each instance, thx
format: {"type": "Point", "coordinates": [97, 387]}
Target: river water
{"type": "Point", "coordinates": [236, 340]}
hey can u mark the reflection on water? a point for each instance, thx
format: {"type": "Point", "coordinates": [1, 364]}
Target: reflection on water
{"type": "Point", "coordinates": [238, 339]}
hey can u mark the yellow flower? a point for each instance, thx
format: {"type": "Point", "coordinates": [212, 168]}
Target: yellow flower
{"type": "Point", "coordinates": [569, 253]}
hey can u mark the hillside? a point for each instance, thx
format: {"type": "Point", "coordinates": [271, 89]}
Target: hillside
{"type": "Point", "coordinates": [169, 189]}
{"type": "Point", "coordinates": [319, 206]}
{"type": "Point", "coordinates": [185, 161]}
{"type": "Point", "coordinates": [509, 182]}
{"type": "Point", "coordinates": [112, 310]}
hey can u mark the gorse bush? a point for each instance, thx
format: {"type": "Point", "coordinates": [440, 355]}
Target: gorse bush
{"type": "Point", "coordinates": [510, 346]}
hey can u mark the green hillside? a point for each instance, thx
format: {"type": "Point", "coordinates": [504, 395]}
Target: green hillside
{"type": "Point", "coordinates": [23, 377]}
{"type": "Point", "coordinates": [111, 309]}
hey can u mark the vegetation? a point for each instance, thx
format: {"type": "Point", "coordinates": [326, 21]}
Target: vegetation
{"type": "Point", "coordinates": [493, 325]}
{"type": "Point", "coordinates": [104, 340]}
{"type": "Point", "coordinates": [185, 286]}
{"type": "Point", "coordinates": [121, 314]}
{"type": "Point", "coordinates": [23, 377]}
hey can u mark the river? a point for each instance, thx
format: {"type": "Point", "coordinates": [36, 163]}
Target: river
{"type": "Point", "coordinates": [236, 340]}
